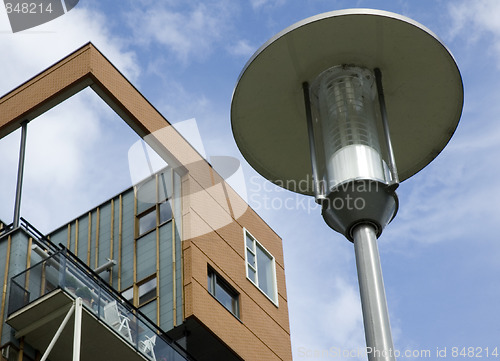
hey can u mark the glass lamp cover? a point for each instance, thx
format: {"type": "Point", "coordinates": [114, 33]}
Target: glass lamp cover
{"type": "Point", "coordinates": [348, 133]}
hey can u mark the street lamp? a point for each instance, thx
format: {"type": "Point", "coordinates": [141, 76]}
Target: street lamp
{"type": "Point", "coordinates": [343, 106]}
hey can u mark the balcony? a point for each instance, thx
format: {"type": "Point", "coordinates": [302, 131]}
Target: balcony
{"type": "Point", "coordinates": [111, 329]}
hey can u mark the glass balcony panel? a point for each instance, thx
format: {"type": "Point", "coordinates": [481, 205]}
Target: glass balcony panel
{"type": "Point", "coordinates": [65, 272]}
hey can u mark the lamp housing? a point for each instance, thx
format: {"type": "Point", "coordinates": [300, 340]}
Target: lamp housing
{"type": "Point", "coordinates": [349, 139]}
{"type": "Point", "coordinates": [355, 178]}
{"type": "Point", "coordinates": [422, 88]}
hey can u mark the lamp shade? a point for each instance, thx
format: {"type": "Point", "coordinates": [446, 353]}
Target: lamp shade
{"type": "Point", "coordinates": [422, 87]}
{"type": "Point", "coordinates": [347, 139]}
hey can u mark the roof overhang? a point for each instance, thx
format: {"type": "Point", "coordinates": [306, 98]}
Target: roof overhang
{"type": "Point", "coordinates": [88, 67]}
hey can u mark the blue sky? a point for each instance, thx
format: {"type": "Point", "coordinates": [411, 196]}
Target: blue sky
{"type": "Point", "coordinates": [440, 256]}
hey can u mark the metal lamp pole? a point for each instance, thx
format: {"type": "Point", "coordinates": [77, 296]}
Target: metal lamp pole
{"type": "Point", "coordinates": [348, 135]}
{"type": "Point", "coordinates": [373, 302]}
{"type": "Point", "coordinates": [346, 139]}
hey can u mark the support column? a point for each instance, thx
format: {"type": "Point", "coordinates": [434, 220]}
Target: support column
{"type": "Point", "coordinates": [77, 338]}
{"type": "Point", "coordinates": [373, 302]}
{"type": "Point", "coordinates": [20, 173]}
{"type": "Point", "coordinates": [76, 309]}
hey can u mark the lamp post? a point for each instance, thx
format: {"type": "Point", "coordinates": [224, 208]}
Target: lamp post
{"type": "Point", "coordinates": [343, 106]}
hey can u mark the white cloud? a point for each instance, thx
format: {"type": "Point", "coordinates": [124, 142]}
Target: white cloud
{"type": "Point", "coordinates": [188, 33]}
{"type": "Point", "coordinates": [473, 19]}
{"type": "Point", "coordinates": [61, 144]}
{"type": "Point", "coordinates": [56, 160]}
{"type": "Point", "coordinates": [339, 330]}
{"type": "Point", "coordinates": [258, 4]}
{"type": "Point", "coordinates": [61, 139]}
{"type": "Point", "coordinates": [76, 157]}
{"type": "Point", "coordinates": [458, 191]}
{"type": "Point", "coordinates": [485, 14]}
{"type": "Point", "coordinates": [179, 104]}
{"type": "Point", "coordinates": [9, 148]}
{"type": "Point", "coordinates": [27, 53]}
{"type": "Point", "coordinates": [242, 48]}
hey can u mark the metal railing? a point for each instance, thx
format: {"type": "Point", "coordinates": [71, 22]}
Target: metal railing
{"type": "Point", "coordinates": [34, 233]}
{"type": "Point", "coordinates": [63, 270]}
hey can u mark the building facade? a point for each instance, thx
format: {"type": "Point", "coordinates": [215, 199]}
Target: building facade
{"type": "Point", "coordinates": [177, 267]}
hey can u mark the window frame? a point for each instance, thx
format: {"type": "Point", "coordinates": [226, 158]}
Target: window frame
{"type": "Point", "coordinates": [142, 282]}
{"type": "Point", "coordinates": [256, 244]}
{"type": "Point", "coordinates": [128, 289]}
{"type": "Point", "coordinates": [159, 200]}
{"type": "Point", "coordinates": [214, 279]}
{"type": "Point", "coordinates": [159, 204]}
{"type": "Point", "coordinates": [140, 216]}
{"type": "Point", "coordinates": [135, 288]}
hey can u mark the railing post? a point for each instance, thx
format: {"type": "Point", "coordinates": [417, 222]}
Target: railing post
{"type": "Point", "coordinates": [99, 297]}
{"type": "Point", "coordinates": [62, 272]}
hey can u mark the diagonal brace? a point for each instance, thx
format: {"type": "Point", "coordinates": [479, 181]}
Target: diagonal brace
{"type": "Point", "coordinates": [77, 309]}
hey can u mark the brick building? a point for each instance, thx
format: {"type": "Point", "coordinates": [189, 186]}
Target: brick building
{"type": "Point", "coordinates": [177, 267]}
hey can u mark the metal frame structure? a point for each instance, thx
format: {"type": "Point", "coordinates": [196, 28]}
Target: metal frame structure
{"type": "Point", "coordinates": [76, 309]}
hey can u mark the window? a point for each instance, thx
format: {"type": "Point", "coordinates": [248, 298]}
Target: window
{"type": "Point", "coordinates": [154, 202]}
{"type": "Point", "coordinates": [146, 195]}
{"type": "Point", "coordinates": [11, 353]}
{"type": "Point", "coordinates": [165, 187]}
{"type": "Point", "coordinates": [147, 221]}
{"type": "Point", "coordinates": [260, 267]}
{"type": "Point", "coordinates": [143, 292]}
{"type": "Point", "coordinates": [165, 211]}
{"type": "Point", "coordinates": [128, 294]}
{"type": "Point", "coordinates": [223, 292]}
{"type": "Point", "coordinates": [147, 291]}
